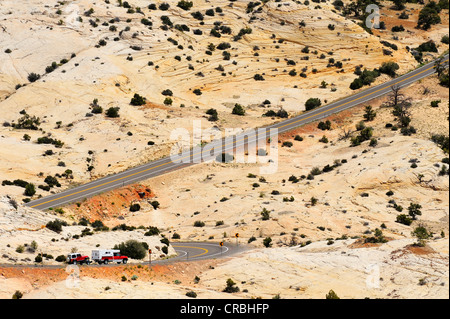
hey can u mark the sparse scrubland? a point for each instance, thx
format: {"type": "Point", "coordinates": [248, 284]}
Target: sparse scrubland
{"type": "Point", "coordinates": [368, 186]}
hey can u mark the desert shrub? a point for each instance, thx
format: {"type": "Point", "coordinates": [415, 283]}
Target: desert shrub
{"type": "Point", "coordinates": [404, 219]}
{"type": "Point", "coordinates": [48, 140]}
{"type": "Point", "coordinates": [199, 223]}
{"type": "Point", "coordinates": [389, 68]}
{"type": "Point", "coordinates": [422, 234]}
{"type": "Point", "coordinates": [185, 5]}
{"type": "Point", "coordinates": [312, 103]}
{"type": "Point", "coordinates": [132, 248]}
{"type": "Point", "coordinates": [135, 207]}
{"type": "Point", "coordinates": [56, 225]}
{"type": "Point", "coordinates": [435, 103]}
{"type": "Point", "coordinates": [164, 6]}
{"type": "Point", "coordinates": [428, 16]}
{"type": "Point", "coordinates": [52, 181]}
{"type": "Point", "coordinates": [231, 286]}
{"type": "Point", "coordinates": [112, 112]}
{"type": "Point", "coordinates": [331, 295]}
{"type": "Point", "coordinates": [280, 113]}
{"type": "Point", "coordinates": [267, 242]}
{"type": "Point", "coordinates": [429, 46]}
{"type": "Point", "coordinates": [30, 190]}
{"type": "Point", "coordinates": [265, 214]}
{"type": "Point", "coordinates": [197, 15]}
{"type": "Point", "coordinates": [442, 141]}
{"type": "Point", "coordinates": [137, 100]}
{"type": "Point", "coordinates": [165, 241]}
{"type": "Point", "coordinates": [168, 101]}
{"type": "Point", "coordinates": [238, 110]}
{"type": "Point", "coordinates": [258, 77]}
{"type": "Point", "coordinates": [33, 77]}
{"type": "Point", "coordinates": [197, 92]}
{"type": "Point", "coordinates": [398, 28]}
{"type": "Point", "coordinates": [445, 39]}
{"type": "Point", "coordinates": [152, 231]}
{"type": "Point", "coordinates": [27, 122]}
{"type": "Point", "coordinates": [324, 125]}
{"type": "Point", "coordinates": [191, 294]}
{"type": "Point", "coordinates": [17, 295]}
{"type": "Point", "coordinates": [61, 258]}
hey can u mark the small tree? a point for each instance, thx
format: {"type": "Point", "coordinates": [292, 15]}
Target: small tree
{"type": "Point", "coordinates": [414, 210]}
{"type": "Point", "coordinates": [422, 234]}
{"type": "Point", "coordinates": [369, 114]}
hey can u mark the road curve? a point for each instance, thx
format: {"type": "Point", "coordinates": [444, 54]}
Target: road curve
{"type": "Point", "coordinates": [186, 252]}
{"type": "Point", "coordinates": [215, 148]}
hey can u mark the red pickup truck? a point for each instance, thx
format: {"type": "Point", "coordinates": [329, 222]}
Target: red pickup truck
{"type": "Point", "coordinates": [77, 258]}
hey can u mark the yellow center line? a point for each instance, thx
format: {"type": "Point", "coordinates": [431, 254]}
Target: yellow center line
{"type": "Point", "coordinates": [199, 248]}
{"type": "Point", "coordinates": [301, 120]}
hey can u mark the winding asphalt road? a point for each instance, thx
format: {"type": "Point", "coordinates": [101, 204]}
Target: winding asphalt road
{"type": "Point", "coordinates": [240, 141]}
{"type": "Point", "coordinates": [187, 252]}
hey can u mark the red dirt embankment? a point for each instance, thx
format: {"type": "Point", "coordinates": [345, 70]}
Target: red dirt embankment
{"type": "Point", "coordinates": [111, 204]}
{"type": "Point", "coordinates": [42, 276]}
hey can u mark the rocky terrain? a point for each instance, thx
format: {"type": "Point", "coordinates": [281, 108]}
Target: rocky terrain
{"type": "Point", "coordinates": [84, 62]}
{"type": "Point", "coordinates": [312, 226]}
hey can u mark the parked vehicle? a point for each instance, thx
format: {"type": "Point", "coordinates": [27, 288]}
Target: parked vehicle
{"type": "Point", "coordinates": [76, 258]}
{"type": "Point", "coordinates": [106, 256]}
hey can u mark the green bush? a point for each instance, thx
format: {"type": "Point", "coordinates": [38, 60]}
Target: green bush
{"type": "Point", "coordinates": [312, 103]}
{"type": "Point", "coordinates": [33, 77]}
{"type": "Point", "coordinates": [185, 5]}
{"type": "Point", "coordinates": [267, 242]}
{"type": "Point", "coordinates": [265, 214]}
{"type": "Point", "coordinates": [199, 223]}
{"type": "Point", "coordinates": [132, 248]}
{"type": "Point", "coordinates": [56, 225]}
{"type": "Point", "coordinates": [112, 112]}
{"type": "Point", "coordinates": [331, 295]}
{"type": "Point", "coordinates": [428, 16]}
{"type": "Point", "coordinates": [30, 190]}
{"type": "Point", "coordinates": [137, 100]}
{"type": "Point", "coordinates": [152, 231]}
{"type": "Point", "coordinates": [231, 286]}
{"type": "Point", "coordinates": [135, 207]}
{"type": "Point", "coordinates": [403, 219]}
{"type": "Point", "coordinates": [27, 122]}
{"type": "Point", "coordinates": [389, 68]}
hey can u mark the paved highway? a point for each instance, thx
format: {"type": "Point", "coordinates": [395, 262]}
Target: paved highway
{"type": "Point", "coordinates": [187, 251]}
{"type": "Point", "coordinates": [215, 148]}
